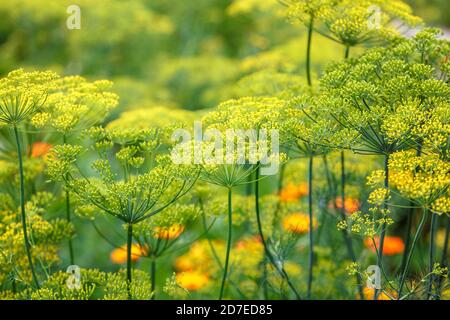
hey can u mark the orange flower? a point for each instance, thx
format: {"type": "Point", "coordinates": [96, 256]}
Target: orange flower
{"type": "Point", "coordinates": [40, 149]}
{"type": "Point", "coordinates": [192, 280]}
{"type": "Point", "coordinates": [184, 263]}
{"type": "Point", "coordinates": [168, 233]}
{"type": "Point", "coordinates": [391, 246]}
{"type": "Point", "coordinates": [249, 242]}
{"type": "Point", "coordinates": [293, 192]}
{"type": "Point", "coordinates": [351, 204]}
{"type": "Point", "coordinates": [119, 255]}
{"type": "Point", "coordinates": [369, 294]}
{"type": "Point", "coordinates": [297, 223]}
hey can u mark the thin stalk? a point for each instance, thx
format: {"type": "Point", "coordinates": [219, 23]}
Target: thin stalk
{"type": "Point", "coordinates": [22, 209]}
{"type": "Point", "coordinates": [347, 52]}
{"type": "Point", "coordinates": [153, 276]}
{"type": "Point", "coordinates": [311, 228]}
{"type": "Point", "coordinates": [265, 284]}
{"type": "Point", "coordinates": [410, 253]}
{"type": "Point", "coordinates": [278, 266]}
{"type": "Point", "coordinates": [129, 244]}
{"type": "Point", "coordinates": [227, 257]}
{"type": "Point", "coordinates": [68, 218]}
{"type": "Point", "coordinates": [383, 227]}
{"type": "Point", "coordinates": [431, 255]}
{"type": "Point", "coordinates": [347, 239]}
{"type": "Point", "coordinates": [409, 223]}
{"type": "Point", "coordinates": [248, 186]}
{"type": "Point", "coordinates": [214, 252]}
{"type": "Point", "coordinates": [308, 50]}
{"type": "Point", "coordinates": [444, 257]}
{"type": "Point", "coordinates": [281, 178]}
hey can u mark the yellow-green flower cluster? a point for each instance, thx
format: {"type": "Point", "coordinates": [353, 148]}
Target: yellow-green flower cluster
{"type": "Point", "coordinates": [76, 104]}
{"type": "Point", "coordinates": [133, 197]}
{"type": "Point", "coordinates": [23, 94]}
{"type": "Point", "coordinates": [94, 284]}
{"type": "Point", "coordinates": [423, 179]}
{"type": "Point", "coordinates": [368, 224]}
{"type": "Point", "coordinates": [352, 23]}
{"type": "Point", "coordinates": [386, 98]}
{"type": "Point", "coordinates": [46, 234]}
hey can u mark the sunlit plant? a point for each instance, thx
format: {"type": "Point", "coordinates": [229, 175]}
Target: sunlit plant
{"type": "Point", "coordinates": [131, 197]}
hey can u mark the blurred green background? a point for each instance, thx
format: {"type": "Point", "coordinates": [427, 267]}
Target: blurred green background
{"type": "Point", "coordinates": [163, 53]}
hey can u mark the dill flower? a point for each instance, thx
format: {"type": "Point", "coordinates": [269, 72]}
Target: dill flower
{"type": "Point", "coordinates": [347, 22]}
{"type": "Point", "coordinates": [297, 223]}
{"type": "Point", "coordinates": [169, 233]}
{"type": "Point", "coordinates": [379, 196]}
{"type": "Point", "coordinates": [384, 96]}
{"type": "Point", "coordinates": [173, 289]}
{"type": "Point", "coordinates": [368, 223]}
{"type": "Point", "coordinates": [23, 94]}
{"type": "Point", "coordinates": [119, 255]}
{"type": "Point", "coordinates": [293, 192]}
{"type": "Point", "coordinates": [47, 236]}
{"type": "Point", "coordinates": [75, 104]}
{"type": "Point", "coordinates": [94, 284]}
{"type": "Point", "coordinates": [423, 179]}
{"type": "Point", "coordinates": [135, 196]}
{"type": "Point", "coordinates": [192, 280]}
{"type": "Point", "coordinates": [392, 245]}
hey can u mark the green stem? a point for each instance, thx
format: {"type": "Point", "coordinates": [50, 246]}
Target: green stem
{"type": "Point", "coordinates": [410, 253]}
{"type": "Point", "coordinates": [346, 235]}
{"type": "Point", "coordinates": [444, 257]}
{"type": "Point", "coordinates": [71, 254]}
{"type": "Point", "coordinates": [278, 266]}
{"type": "Point", "coordinates": [281, 178]}
{"type": "Point", "coordinates": [214, 252]}
{"type": "Point", "coordinates": [248, 186]}
{"type": "Point", "coordinates": [129, 244]}
{"type": "Point", "coordinates": [347, 52]}
{"type": "Point", "coordinates": [311, 227]}
{"type": "Point", "coordinates": [431, 255]}
{"type": "Point", "coordinates": [227, 257]}
{"type": "Point", "coordinates": [408, 234]}
{"type": "Point", "coordinates": [68, 217]}
{"type": "Point", "coordinates": [22, 208]}
{"type": "Point", "coordinates": [383, 227]}
{"type": "Point", "coordinates": [308, 50]}
{"type": "Point", "coordinates": [153, 277]}
{"type": "Point", "coordinates": [409, 221]}
{"type": "Point", "coordinates": [347, 239]}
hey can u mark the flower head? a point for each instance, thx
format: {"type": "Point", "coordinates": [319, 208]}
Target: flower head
{"type": "Point", "coordinates": [119, 255]}
{"type": "Point", "coordinates": [23, 94]}
{"type": "Point", "coordinates": [293, 192]}
{"type": "Point", "coordinates": [297, 223]}
{"type": "Point", "coordinates": [392, 245]}
{"type": "Point", "coordinates": [168, 233]}
{"type": "Point", "coordinates": [192, 280]}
